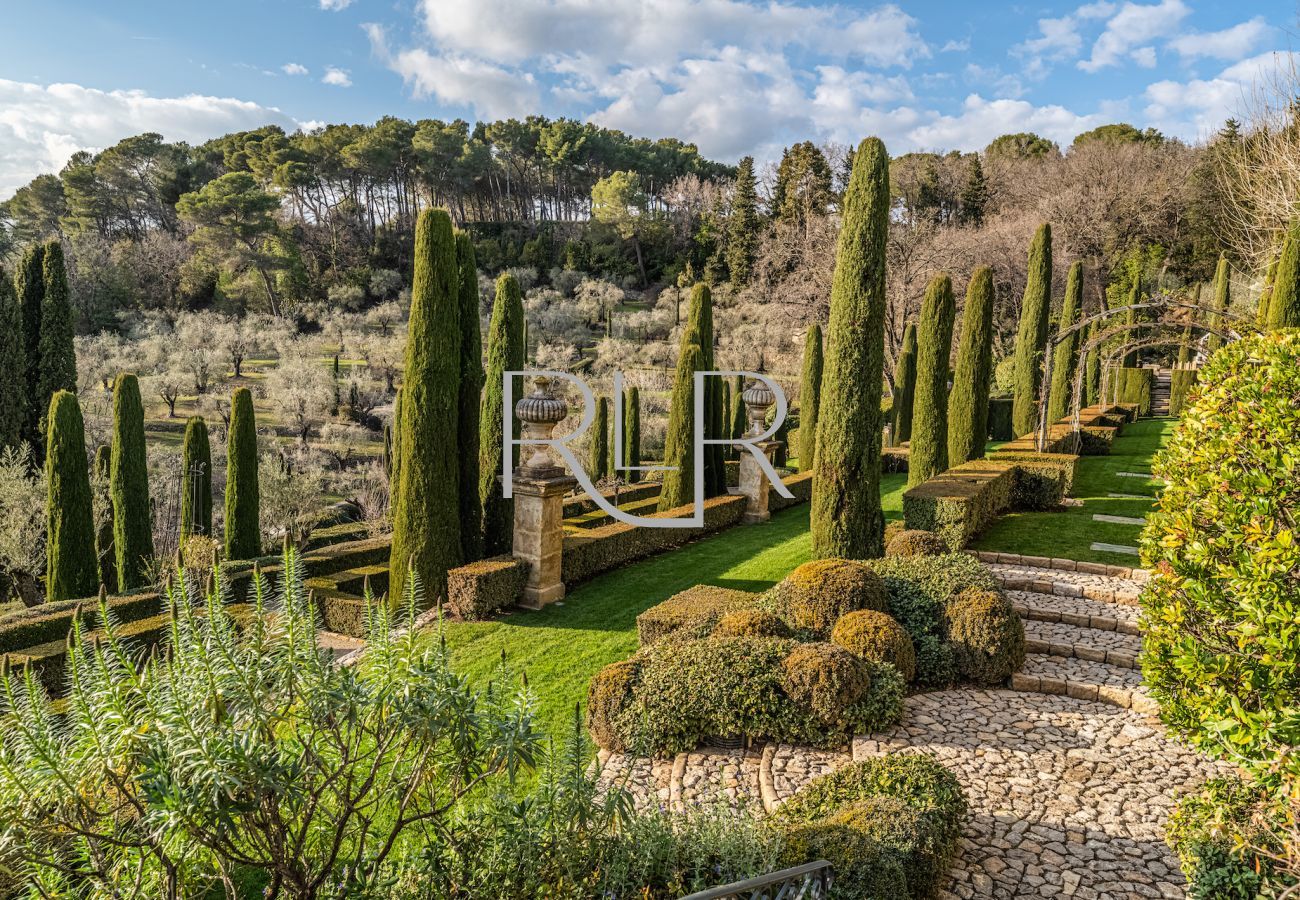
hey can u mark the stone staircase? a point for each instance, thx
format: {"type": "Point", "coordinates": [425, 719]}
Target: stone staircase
{"type": "Point", "coordinates": [1160, 393]}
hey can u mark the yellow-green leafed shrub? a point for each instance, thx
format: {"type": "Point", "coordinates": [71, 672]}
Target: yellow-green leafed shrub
{"type": "Point", "coordinates": [824, 678]}
{"type": "Point", "coordinates": [817, 593]}
{"type": "Point", "coordinates": [916, 543]}
{"type": "Point", "coordinates": [692, 613]}
{"type": "Point", "coordinates": [876, 637]}
{"type": "Point", "coordinates": [863, 868]}
{"type": "Point", "coordinates": [751, 623]}
{"type": "Point", "coordinates": [609, 697]}
{"type": "Point", "coordinates": [986, 636]}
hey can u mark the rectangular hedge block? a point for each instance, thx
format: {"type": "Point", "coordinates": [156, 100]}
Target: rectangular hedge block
{"type": "Point", "coordinates": [483, 588]}
{"type": "Point", "coordinates": [1058, 468]}
{"type": "Point", "coordinates": [800, 485]}
{"type": "Point", "coordinates": [52, 621]}
{"type": "Point", "coordinates": [695, 611]}
{"type": "Point", "coordinates": [961, 502]}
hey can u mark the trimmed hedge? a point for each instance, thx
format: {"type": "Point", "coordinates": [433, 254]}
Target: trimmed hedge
{"type": "Point", "coordinates": [864, 869]}
{"type": "Point", "coordinates": [876, 637]}
{"type": "Point", "coordinates": [817, 593]}
{"type": "Point", "coordinates": [28, 628]}
{"type": "Point", "coordinates": [986, 634]}
{"type": "Point", "coordinates": [609, 695]}
{"type": "Point", "coordinates": [1180, 384]}
{"type": "Point", "coordinates": [751, 623]}
{"type": "Point", "coordinates": [626, 494]}
{"type": "Point", "coordinates": [961, 502]}
{"type": "Point", "coordinates": [481, 589]}
{"type": "Point", "coordinates": [1135, 386]}
{"type": "Point", "coordinates": [915, 543]}
{"type": "Point", "coordinates": [692, 613]}
{"type": "Point", "coordinates": [1056, 471]}
{"type": "Point", "coordinates": [1000, 428]}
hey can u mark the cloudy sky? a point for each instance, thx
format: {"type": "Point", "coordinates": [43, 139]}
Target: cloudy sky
{"type": "Point", "coordinates": [734, 76]}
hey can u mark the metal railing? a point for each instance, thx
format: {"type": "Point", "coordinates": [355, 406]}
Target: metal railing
{"type": "Point", "coordinates": [811, 881]}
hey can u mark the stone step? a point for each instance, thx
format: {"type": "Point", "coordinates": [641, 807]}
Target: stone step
{"type": "Point", "coordinates": [1086, 581]}
{"type": "Point", "coordinates": [1074, 642]}
{"type": "Point", "coordinates": [1078, 611]}
{"type": "Point", "coordinates": [1084, 679]}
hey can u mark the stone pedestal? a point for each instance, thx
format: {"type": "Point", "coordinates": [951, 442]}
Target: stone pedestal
{"type": "Point", "coordinates": [754, 483]}
{"type": "Point", "coordinates": [539, 532]}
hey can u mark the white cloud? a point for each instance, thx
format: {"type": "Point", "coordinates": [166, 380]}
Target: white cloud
{"type": "Point", "coordinates": [1144, 57]}
{"type": "Point", "coordinates": [335, 5]}
{"type": "Point", "coordinates": [1059, 38]}
{"type": "Point", "coordinates": [981, 120]}
{"type": "Point", "coordinates": [1230, 43]}
{"type": "Point", "coordinates": [293, 68]}
{"type": "Point", "coordinates": [41, 126]}
{"type": "Point", "coordinates": [337, 77]}
{"type": "Point", "coordinates": [1199, 107]}
{"type": "Point", "coordinates": [956, 46]}
{"type": "Point", "coordinates": [1133, 27]}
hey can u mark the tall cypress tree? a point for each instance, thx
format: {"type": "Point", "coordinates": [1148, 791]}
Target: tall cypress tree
{"type": "Point", "coordinates": [196, 473]}
{"type": "Point", "coordinates": [1092, 370]}
{"type": "Point", "coordinates": [810, 393]}
{"type": "Point", "coordinates": [243, 494]}
{"type": "Point", "coordinates": [13, 366]}
{"type": "Point", "coordinates": [929, 454]}
{"type": "Point", "coordinates": [968, 405]}
{"type": "Point", "coordinates": [1035, 314]}
{"type": "Point", "coordinates": [426, 509]}
{"type": "Point", "coordinates": [737, 392]}
{"type": "Point", "coordinates": [128, 484]}
{"type": "Point", "coordinates": [30, 284]}
{"type": "Point", "coordinates": [505, 352]}
{"type": "Point", "coordinates": [58, 362]}
{"type": "Point", "coordinates": [598, 448]}
{"type": "Point", "coordinates": [699, 330]}
{"type": "Point", "coordinates": [104, 554]}
{"type": "Point", "coordinates": [70, 567]}
{"type": "Point", "coordinates": [471, 396]}
{"type": "Point", "coordinates": [632, 433]}
{"type": "Point", "coordinates": [742, 225]}
{"type": "Point", "coordinates": [1066, 358]}
{"type": "Point", "coordinates": [1284, 307]}
{"type": "Point", "coordinates": [1266, 295]}
{"type": "Point", "coordinates": [679, 448]}
{"type": "Point", "coordinates": [1222, 298]}
{"type": "Point", "coordinates": [846, 516]}
{"type": "Point", "coordinates": [904, 386]}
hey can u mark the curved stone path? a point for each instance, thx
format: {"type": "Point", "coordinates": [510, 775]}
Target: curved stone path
{"type": "Point", "coordinates": [1069, 777]}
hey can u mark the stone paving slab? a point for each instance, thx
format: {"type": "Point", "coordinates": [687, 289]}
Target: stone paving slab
{"type": "Point", "coordinates": [1083, 679]}
{"type": "Point", "coordinates": [649, 781]}
{"type": "Point", "coordinates": [1080, 583]}
{"type": "Point", "coordinates": [1126, 549]}
{"type": "Point", "coordinates": [1118, 520]}
{"type": "Point", "coordinates": [1092, 644]}
{"type": "Point", "coordinates": [1119, 496]}
{"type": "Point", "coordinates": [712, 775]}
{"type": "Point", "coordinates": [1078, 611]}
{"type": "Point", "coordinates": [787, 768]}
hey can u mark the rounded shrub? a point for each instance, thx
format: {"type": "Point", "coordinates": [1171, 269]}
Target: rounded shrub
{"type": "Point", "coordinates": [864, 870]}
{"type": "Point", "coordinates": [751, 623]}
{"type": "Point", "coordinates": [818, 593]}
{"type": "Point", "coordinates": [893, 529]}
{"type": "Point", "coordinates": [986, 636]}
{"type": "Point", "coordinates": [876, 637]}
{"type": "Point", "coordinates": [609, 696]}
{"type": "Point", "coordinates": [825, 678]}
{"type": "Point", "coordinates": [916, 542]}
{"type": "Point", "coordinates": [1220, 647]}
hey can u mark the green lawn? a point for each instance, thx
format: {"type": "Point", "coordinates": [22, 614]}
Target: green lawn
{"type": "Point", "coordinates": [562, 646]}
{"type": "Point", "coordinates": [1071, 532]}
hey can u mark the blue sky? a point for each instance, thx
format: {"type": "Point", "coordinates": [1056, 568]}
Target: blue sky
{"type": "Point", "coordinates": [735, 76]}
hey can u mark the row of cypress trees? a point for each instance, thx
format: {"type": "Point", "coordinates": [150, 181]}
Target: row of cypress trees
{"type": "Point", "coordinates": [600, 451]}
{"type": "Point", "coordinates": [1284, 298]}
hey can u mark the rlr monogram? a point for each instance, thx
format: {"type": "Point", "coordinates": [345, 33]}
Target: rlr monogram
{"type": "Point", "coordinates": [560, 445]}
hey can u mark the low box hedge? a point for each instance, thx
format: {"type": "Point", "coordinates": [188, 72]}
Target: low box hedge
{"type": "Point", "coordinates": [481, 589]}
{"type": "Point", "coordinates": [961, 502]}
{"type": "Point", "coordinates": [52, 621]}
{"type": "Point", "coordinates": [799, 484]}
{"type": "Point", "coordinates": [626, 494]}
{"type": "Point", "coordinates": [339, 612]}
{"type": "Point", "coordinates": [1059, 467]}
{"type": "Point", "coordinates": [1180, 385]}
{"type": "Point", "coordinates": [691, 613]}
{"type": "Point", "coordinates": [894, 459]}
{"type": "Point", "coordinates": [1134, 386]}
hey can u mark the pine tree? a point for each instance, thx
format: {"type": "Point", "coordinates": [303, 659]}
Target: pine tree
{"type": "Point", "coordinates": [128, 484]}
{"type": "Point", "coordinates": [904, 387]}
{"type": "Point", "coordinates": [929, 454]}
{"type": "Point", "coordinates": [1066, 358]}
{"type": "Point", "coordinates": [679, 449]}
{"type": "Point", "coordinates": [243, 496]}
{"type": "Point", "coordinates": [471, 395]}
{"type": "Point", "coordinates": [30, 285]}
{"type": "Point", "coordinates": [968, 405]}
{"type": "Point", "coordinates": [13, 366]}
{"type": "Point", "coordinates": [1284, 307]}
{"type": "Point", "coordinates": [598, 448]}
{"type": "Point", "coordinates": [742, 225]}
{"type": "Point", "coordinates": [196, 472]}
{"type": "Point", "coordinates": [70, 567]}
{"type": "Point", "coordinates": [426, 501]}
{"type": "Point", "coordinates": [104, 555]}
{"type": "Point", "coordinates": [632, 433]}
{"type": "Point", "coordinates": [846, 517]}
{"type": "Point", "coordinates": [699, 330]}
{"type": "Point", "coordinates": [810, 392]}
{"type": "Point", "coordinates": [974, 195]}
{"type": "Point", "coordinates": [1222, 298]}
{"type": "Point", "coordinates": [58, 362]}
{"type": "Point", "coordinates": [505, 352]}
{"type": "Point", "coordinates": [1035, 313]}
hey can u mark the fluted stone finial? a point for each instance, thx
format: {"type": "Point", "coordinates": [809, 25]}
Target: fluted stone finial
{"type": "Point", "coordinates": [758, 398]}
{"type": "Point", "coordinates": [540, 412]}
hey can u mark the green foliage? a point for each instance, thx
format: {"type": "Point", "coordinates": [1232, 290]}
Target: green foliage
{"type": "Point", "coordinates": [914, 542]}
{"type": "Point", "coordinates": [691, 613]}
{"type": "Point", "coordinates": [1222, 300]}
{"type": "Point", "coordinates": [505, 352]}
{"type": "Point", "coordinates": [698, 330]}
{"type": "Point", "coordinates": [825, 679]}
{"type": "Point", "coordinates": [999, 418]}
{"type": "Point", "coordinates": [929, 449]}
{"type": "Point", "coordinates": [974, 194]}
{"type": "Point", "coordinates": [1218, 834]}
{"type": "Point", "coordinates": [904, 387]}
{"type": "Point", "coordinates": [1266, 295]}
{"type": "Point", "coordinates": [470, 395]}
{"type": "Point", "coordinates": [243, 500]}
{"type": "Point", "coordinates": [1135, 386]}
{"type": "Point", "coordinates": [129, 486]}
{"type": "Point", "coordinates": [810, 392]}
{"type": "Point", "coordinates": [968, 404]}
{"type": "Point", "coordinates": [196, 476]}
{"type": "Point", "coordinates": [751, 623]}
{"type": "Point", "coordinates": [986, 634]}
{"type": "Point", "coordinates": [816, 594]}
{"type": "Point", "coordinates": [679, 451]}
{"type": "Point", "coordinates": [598, 449]}
{"type": "Point", "coordinates": [876, 637]}
{"type": "Point", "coordinates": [1023, 145]}
{"type": "Point", "coordinates": [1181, 382]}
{"type": "Point", "coordinates": [13, 366]}
{"type": "Point", "coordinates": [1035, 313]}
{"type": "Point", "coordinates": [58, 359]}
{"type": "Point", "coordinates": [71, 569]}
{"type": "Point", "coordinates": [803, 184]}
{"type": "Point", "coordinates": [846, 517]}
{"type": "Point", "coordinates": [1284, 305]}
{"type": "Point", "coordinates": [104, 553]}
{"type": "Point", "coordinates": [736, 413]}
{"type": "Point", "coordinates": [864, 870]}
{"type": "Point", "coordinates": [742, 224]}
{"type": "Point", "coordinates": [1092, 370]}
{"type": "Point", "coordinates": [1220, 649]}
{"type": "Point", "coordinates": [632, 433]}
{"type": "Point", "coordinates": [426, 538]}
{"type": "Point", "coordinates": [29, 283]}
{"type": "Point", "coordinates": [1066, 357]}
{"type": "Point", "coordinates": [609, 697]}
{"type": "Point", "coordinates": [1118, 133]}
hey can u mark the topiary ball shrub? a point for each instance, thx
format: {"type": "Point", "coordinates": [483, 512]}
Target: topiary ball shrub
{"type": "Point", "coordinates": [824, 678]}
{"type": "Point", "coordinates": [863, 869]}
{"type": "Point", "coordinates": [876, 637]}
{"type": "Point", "coordinates": [893, 529]}
{"type": "Point", "coordinates": [1220, 646]}
{"type": "Point", "coordinates": [817, 593]}
{"type": "Point", "coordinates": [986, 636]}
{"type": "Point", "coordinates": [609, 697]}
{"type": "Point", "coordinates": [921, 825]}
{"type": "Point", "coordinates": [751, 623]}
{"type": "Point", "coordinates": [916, 542]}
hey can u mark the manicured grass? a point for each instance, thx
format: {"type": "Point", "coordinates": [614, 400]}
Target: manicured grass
{"type": "Point", "coordinates": [562, 646]}
{"type": "Point", "coordinates": [1071, 532]}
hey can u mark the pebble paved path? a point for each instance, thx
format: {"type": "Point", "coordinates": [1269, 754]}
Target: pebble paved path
{"type": "Point", "coordinates": [1069, 777]}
